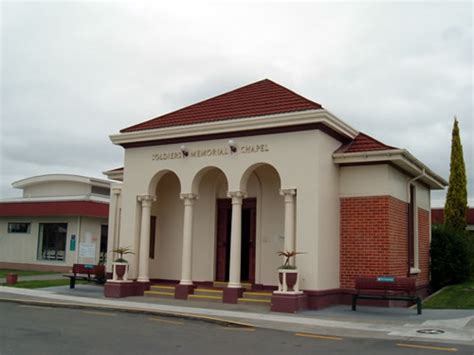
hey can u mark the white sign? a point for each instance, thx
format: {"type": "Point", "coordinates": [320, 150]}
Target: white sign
{"type": "Point", "coordinates": [87, 250]}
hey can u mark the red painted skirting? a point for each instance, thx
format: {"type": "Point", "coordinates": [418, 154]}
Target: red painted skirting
{"type": "Point", "coordinates": [54, 208]}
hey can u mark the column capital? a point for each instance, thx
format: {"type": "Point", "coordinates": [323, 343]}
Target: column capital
{"type": "Point", "coordinates": [236, 196]}
{"type": "Point", "coordinates": [116, 190]}
{"type": "Point", "coordinates": [286, 192]}
{"type": "Point", "coordinates": [146, 200]}
{"type": "Point", "coordinates": [188, 198]}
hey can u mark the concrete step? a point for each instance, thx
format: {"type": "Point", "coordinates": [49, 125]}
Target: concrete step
{"type": "Point", "coordinates": [208, 292]}
{"type": "Point", "coordinates": [162, 288]}
{"type": "Point", "coordinates": [207, 298]}
{"type": "Point", "coordinates": [257, 295]}
{"type": "Point", "coordinates": [265, 302]}
{"type": "Point", "coordinates": [222, 284]}
{"type": "Point", "coordinates": [160, 294]}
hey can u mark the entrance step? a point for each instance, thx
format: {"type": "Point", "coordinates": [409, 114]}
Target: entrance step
{"type": "Point", "coordinates": [208, 292]}
{"type": "Point", "coordinates": [262, 298]}
{"type": "Point", "coordinates": [207, 298]}
{"type": "Point", "coordinates": [222, 284]}
{"type": "Point", "coordinates": [162, 291]}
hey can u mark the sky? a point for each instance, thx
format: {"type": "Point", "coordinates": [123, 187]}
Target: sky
{"type": "Point", "coordinates": [72, 73]}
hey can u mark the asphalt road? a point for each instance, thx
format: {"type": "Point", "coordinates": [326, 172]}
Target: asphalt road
{"type": "Point", "coordinates": [37, 330]}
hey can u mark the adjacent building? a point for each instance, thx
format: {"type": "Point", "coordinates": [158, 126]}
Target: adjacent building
{"type": "Point", "coordinates": [60, 220]}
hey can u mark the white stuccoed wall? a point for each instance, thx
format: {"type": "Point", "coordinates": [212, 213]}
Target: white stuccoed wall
{"type": "Point", "coordinates": [303, 161]}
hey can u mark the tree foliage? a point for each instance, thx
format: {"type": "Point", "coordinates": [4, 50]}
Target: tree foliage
{"type": "Point", "coordinates": [456, 201]}
{"type": "Point", "coordinates": [450, 256]}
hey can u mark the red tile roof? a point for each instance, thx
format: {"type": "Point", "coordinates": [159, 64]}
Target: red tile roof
{"type": "Point", "coordinates": [363, 143]}
{"type": "Point", "coordinates": [56, 208]}
{"type": "Point", "coordinates": [258, 99]}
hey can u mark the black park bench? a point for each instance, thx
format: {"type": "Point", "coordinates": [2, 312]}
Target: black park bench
{"type": "Point", "coordinates": [386, 288]}
{"type": "Point", "coordinates": [88, 272]}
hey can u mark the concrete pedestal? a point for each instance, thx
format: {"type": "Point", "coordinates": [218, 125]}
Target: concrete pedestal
{"type": "Point", "coordinates": [181, 292]}
{"type": "Point", "coordinates": [288, 303]}
{"type": "Point", "coordinates": [125, 289]}
{"type": "Point", "coordinates": [232, 294]}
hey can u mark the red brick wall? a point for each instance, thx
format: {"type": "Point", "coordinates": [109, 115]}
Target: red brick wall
{"type": "Point", "coordinates": [374, 238]}
{"type": "Point", "coordinates": [423, 246]}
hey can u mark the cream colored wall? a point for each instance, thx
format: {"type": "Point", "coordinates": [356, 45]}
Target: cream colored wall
{"type": "Point", "coordinates": [380, 180]}
{"type": "Point", "coordinates": [328, 233]}
{"type": "Point", "coordinates": [296, 157]}
{"type": "Point", "coordinates": [22, 248]}
{"type": "Point", "coordinates": [90, 233]}
{"type": "Point", "coordinates": [168, 246]}
{"type": "Point", "coordinates": [56, 188]}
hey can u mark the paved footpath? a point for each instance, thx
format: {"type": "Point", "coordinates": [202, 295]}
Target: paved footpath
{"type": "Point", "coordinates": [456, 326]}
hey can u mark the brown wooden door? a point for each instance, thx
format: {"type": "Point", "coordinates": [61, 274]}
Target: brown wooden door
{"type": "Point", "coordinates": [224, 220]}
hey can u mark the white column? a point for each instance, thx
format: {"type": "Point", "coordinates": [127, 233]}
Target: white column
{"type": "Point", "coordinates": [144, 254]}
{"type": "Point", "coordinates": [235, 239]}
{"type": "Point", "coordinates": [187, 256]}
{"type": "Point", "coordinates": [112, 240]}
{"type": "Point", "coordinates": [289, 195]}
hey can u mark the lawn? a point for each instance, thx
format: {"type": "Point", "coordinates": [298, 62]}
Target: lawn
{"type": "Point", "coordinates": [45, 283]}
{"type": "Point", "coordinates": [4, 272]}
{"type": "Point", "coordinates": [453, 297]}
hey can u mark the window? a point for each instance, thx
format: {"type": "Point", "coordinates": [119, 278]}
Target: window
{"type": "Point", "coordinates": [52, 241]}
{"type": "Point", "coordinates": [100, 190]}
{"type": "Point", "coordinates": [18, 227]}
{"type": "Point", "coordinates": [104, 231]}
{"type": "Point", "coordinates": [152, 236]}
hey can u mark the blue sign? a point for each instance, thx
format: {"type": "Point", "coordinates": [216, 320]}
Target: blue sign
{"type": "Point", "coordinates": [386, 279]}
{"type": "Point", "coordinates": [72, 243]}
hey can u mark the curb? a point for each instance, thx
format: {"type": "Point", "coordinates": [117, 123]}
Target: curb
{"type": "Point", "coordinates": [189, 316]}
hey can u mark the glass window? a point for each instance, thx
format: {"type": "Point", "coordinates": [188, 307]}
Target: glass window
{"type": "Point", "coordinates": [104, 230]}
{"type": "Point", "coordinates": [52, 241]}
{"type": "Point", "coordinates": [18, 227]}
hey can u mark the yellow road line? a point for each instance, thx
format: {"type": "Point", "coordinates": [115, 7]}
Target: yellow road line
{"type": "Point", "coordinates": [427, 347]}
{"type": "Point", "coordinates": [165, 320]}
{"type": "Point", "coordinates": [38, 307]}
{"type": "Point", "coordinates": [239, 329]}
{"type": "Point", "coordinates": [99, 313]}
{"type": "Point", "coordinates": [317, 336]}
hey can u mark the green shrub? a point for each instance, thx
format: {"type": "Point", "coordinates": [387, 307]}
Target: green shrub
{"type": "Point", "coordinates": [450, 256]}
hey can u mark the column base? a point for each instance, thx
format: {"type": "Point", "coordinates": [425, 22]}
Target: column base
{"type": "Point", "coordinates": [181, 292]}
{"type": "Point", "coordinates": [289, 303]}
{"type": "Point", "coordinates": [232, 294]}
{"type": "Point", "coordinates": [119, 289]}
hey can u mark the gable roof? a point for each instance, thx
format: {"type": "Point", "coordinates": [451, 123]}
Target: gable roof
{"type": "Point", "coordinates": [261, 98]}
{"type": "Point", "coordinates": [363, 143]}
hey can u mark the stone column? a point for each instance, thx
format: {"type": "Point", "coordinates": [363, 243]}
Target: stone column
{"type": "Point", "coordinates": [186, 286]}
{"type": "Point", "coordinates": [112, 239]}
{"type": "Point", "coordinates": [144, 254]}
{"type": "Point", "coordinates": [289, 195]}
{"type": "Point", "coordinates": [235, 239]}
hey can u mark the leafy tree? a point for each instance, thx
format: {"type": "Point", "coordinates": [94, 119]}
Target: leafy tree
{"type": "Point", "coordinates": [456, 200]}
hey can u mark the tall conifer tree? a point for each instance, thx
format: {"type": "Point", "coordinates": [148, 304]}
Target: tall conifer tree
{"type": "Point", "coordinates": [456, 201]}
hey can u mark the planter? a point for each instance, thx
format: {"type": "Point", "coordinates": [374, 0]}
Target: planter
{"type": "Point", "coordinates": [288, 281]}
{"type": "Point", "coordinates": [12, 279]}
{"type": "Point", "coordinates": [120, 271]}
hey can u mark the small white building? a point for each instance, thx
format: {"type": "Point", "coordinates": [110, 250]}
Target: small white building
{"type": "Point", "coordinates": [60, 220]}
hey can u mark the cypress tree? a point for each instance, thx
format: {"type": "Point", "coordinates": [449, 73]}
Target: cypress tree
{"type": "Point", "coordinates": [456, 200]}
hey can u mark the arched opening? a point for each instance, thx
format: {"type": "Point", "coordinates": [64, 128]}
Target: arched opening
{"type": "Point", "coordinates": [166, 227]}
{"type": "Point", "coordinates": [211, 186]}
{"type": "Point", "coordinates": [262, 183]}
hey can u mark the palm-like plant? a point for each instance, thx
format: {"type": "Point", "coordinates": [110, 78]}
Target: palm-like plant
{"type": "Point", "coordinates": [288, 255]}
{"type": "Point", "coordinates": [121, 251]}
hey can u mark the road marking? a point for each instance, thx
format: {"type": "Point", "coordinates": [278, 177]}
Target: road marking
{"type": "Point", "coordinates": [37, 307]}
{"type": "Point", "coordinates": [427, 347]}
{"type": "Point", "coordinates": [165, 320]}
{"type": "Point", "coordinates": [239, 329]}
{"type": "Point", "coordinates": [317, 336]}
{"type": "Point", "coordinates": [100, 313]}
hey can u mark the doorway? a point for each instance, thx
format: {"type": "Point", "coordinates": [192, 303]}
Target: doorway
{"type": "Point", "coordinates": [248, 236]}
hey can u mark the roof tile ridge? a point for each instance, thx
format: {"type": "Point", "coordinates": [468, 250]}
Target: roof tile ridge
{"type": "Point", "coordinates": [294, 93]}
{"type": "Point", "coordinates": [377, 141]}
{"type": "Point", "coordinates": [194, 104]}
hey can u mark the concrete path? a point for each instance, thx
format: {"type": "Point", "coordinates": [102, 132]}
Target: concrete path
{"type": "Point", "coordinates": [451, 326]}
